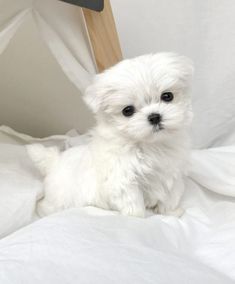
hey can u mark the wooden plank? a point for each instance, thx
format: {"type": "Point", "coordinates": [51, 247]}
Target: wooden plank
{"type": "Point", "coordinates": [103, 36]}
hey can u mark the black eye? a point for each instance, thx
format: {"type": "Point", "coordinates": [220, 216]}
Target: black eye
{"type": "Point", "coordinates": [128, 111]}
{"type": "Point", "coordinates": [167, 97]}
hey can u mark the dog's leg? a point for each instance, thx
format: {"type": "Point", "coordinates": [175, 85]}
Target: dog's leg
{"type": "Point", "coordinates": [133, 205]}
{"type": "Point", "coordinates": [56, 196]}
{"type": "Point", "coordinates": [170, 206]}
{"type": "Point", "coordinates": [128, 200]}
{"type": "Point", "coordinates": [44, 208]}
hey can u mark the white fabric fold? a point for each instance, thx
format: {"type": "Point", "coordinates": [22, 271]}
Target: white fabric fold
{"type": "Point", "coordinates": [71, 67]}
{"type": "Point", "coordinates": [71, 50]}
{"type": "Point", "coordinates": [20, 188]}
{"type": "Point", "coordinates": [10, 136]}
{"type": "Point", "coordinates": [68, 23]}
{"type": "Point", "coordinates": [96, 246]}
{"type": "Point", "coordinates": [214, 169]}
{"type": "Point", "coordinates": [10, 28]}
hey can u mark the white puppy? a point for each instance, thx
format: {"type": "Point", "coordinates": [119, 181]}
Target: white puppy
{"type": "Point", "coordinates": [138, 151]}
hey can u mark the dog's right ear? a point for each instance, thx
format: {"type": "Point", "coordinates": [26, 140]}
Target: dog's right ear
{"type": "Point", "coordinates": [93, 95]}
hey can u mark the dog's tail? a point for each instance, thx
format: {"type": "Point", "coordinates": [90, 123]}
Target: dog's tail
{"type": "Point", "coordinates": [43, 157]}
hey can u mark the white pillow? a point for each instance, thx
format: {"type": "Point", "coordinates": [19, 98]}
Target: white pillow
{"type": "Point", "coordinates": [20, 187]}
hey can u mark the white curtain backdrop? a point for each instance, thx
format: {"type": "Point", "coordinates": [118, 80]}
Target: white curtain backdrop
{"type": "Point", "coordinates": [38, 39]}
{"type": "Point", "coordinates": [65, 37]}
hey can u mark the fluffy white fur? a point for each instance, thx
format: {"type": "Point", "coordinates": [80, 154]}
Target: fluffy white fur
{"type": "Point", "coordinates": [128, 165]}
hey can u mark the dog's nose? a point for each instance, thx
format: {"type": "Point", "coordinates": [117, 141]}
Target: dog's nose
{"type": "Point", "coordinates": [154, 118]}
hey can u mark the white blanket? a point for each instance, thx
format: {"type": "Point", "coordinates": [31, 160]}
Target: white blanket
{"type": "Point", "coordinates": [91, 245]}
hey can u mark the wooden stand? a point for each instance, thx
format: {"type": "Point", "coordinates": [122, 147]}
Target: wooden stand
{"type": "Point", "coordinates": [103, 36]}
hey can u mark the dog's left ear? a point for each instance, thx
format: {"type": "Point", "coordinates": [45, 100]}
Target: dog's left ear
{"type": "Point", "coordinates": [186, 69]}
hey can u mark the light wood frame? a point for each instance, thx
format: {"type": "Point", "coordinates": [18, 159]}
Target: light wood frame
{"type": "Point", "coordinates": [103, 36]}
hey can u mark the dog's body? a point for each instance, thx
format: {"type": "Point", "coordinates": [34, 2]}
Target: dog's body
{"type": "Point", "coordinates": [137, 154]}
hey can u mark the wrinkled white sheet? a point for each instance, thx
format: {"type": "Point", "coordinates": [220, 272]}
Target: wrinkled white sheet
{"type": "Point", "coordinates": [83, 246]}
{"type": "Point", "coordinates": [91, 245]}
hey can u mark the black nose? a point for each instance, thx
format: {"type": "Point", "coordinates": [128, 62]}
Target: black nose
{"type": "Point", "coordinates": [154, 118]}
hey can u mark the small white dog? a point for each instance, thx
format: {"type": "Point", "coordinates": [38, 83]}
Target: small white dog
{"type": "Point", "coordinates": [138, 151]}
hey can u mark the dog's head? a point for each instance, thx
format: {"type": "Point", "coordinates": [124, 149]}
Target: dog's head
{"type": "Point", "coordinates": [144, 98]}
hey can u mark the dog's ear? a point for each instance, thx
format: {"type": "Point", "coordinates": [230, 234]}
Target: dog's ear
{"type": "Point", "coordinates": [186, 69]}
{"type": "Point", "coordinates": [93, 96]}
{"type": "Point", "coordinates": [178, 68]}
{"type": "Point", "coordinates": [97, 93]}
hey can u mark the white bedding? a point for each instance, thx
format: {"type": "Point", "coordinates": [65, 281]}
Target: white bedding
{"type": "Point", "coordinates": [91, 245]}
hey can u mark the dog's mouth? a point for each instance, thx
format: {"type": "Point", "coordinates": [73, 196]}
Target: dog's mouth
{"type": "Point", "coordinates": [157, 128]}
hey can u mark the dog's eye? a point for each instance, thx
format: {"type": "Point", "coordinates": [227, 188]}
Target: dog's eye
{"type": "Point", "coordinates": [128, 111]}
{"type": "Point", "coordinates": [167, 96]}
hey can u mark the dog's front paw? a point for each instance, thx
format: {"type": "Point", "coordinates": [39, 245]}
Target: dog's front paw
{"type": "Point", "coordinates": [178, 212]}
{"type": "Point", "coordinates": [133, 211]}
{"type": "Point", "coordinates": [45, 208]}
